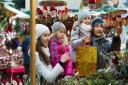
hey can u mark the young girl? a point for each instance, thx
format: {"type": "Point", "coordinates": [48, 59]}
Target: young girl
{"type": "Point", "coordinates": [58, 45]}
{"type": "Point", "coordinates": [81, 32]}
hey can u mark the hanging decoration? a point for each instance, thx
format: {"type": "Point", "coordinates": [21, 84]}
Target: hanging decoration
{"type": "Point", "coordinates": [94, 1]}
{"type": "Point", "coordinates": [52, 3]}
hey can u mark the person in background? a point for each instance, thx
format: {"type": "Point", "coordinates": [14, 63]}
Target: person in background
{"type": "Point", "coordinates": [124, 34]}
{"type": "Point", "coordinates": [103, 45]}
{"type": "Point", "coordinates": [58, 45]}
{"type": "Point", "coordinates": [53, 13]}
{"type": "Point", "coordinates": [81, 31]}
{"type": "Point", "coordinates": [127, 42]}
{"type": "Point", "coordinates": [44, 69]}
{"type": "Point", "coordinates": [26, 57]}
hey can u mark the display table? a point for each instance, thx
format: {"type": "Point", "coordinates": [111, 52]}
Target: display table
{"type": "Point", "coordinates": [11, 75]}
{"type": "Point", "coordinates": [13, 69]}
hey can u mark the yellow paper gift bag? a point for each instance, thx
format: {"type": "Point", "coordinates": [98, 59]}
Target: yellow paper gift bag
{"type": "Point", "coordinates": [86, 58]}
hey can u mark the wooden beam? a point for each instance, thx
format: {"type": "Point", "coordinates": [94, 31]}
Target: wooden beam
{"type": "Point", "coordinates": [32, 42]}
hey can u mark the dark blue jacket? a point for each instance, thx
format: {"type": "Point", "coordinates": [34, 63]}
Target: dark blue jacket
{"type": "Point", "coordinates": [104, 46]}
{"type": "Point", "coordinates": [25, 47]}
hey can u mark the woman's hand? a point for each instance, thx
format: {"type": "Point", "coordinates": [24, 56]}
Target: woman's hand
{"type": "Point", "coordinates": [65, 57]}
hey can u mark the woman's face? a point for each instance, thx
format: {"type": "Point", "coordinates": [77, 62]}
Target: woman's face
{"type": "Point", "coordinates": [45, 38]}
{"type": "Point", "coordinates": [60, 34]}
{"type": "Point", "coordinates": [98, 30]}
{"type": "Point", "coordinates": [86, 20]}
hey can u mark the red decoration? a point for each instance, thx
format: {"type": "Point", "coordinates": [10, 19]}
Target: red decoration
{"type": "Point", "coordinates": [39, 11]}
{"type": "Point", "coordinates": [66, 9]}
{"type": "Point", "coordinates": [52, 3]}
{"type": "Point", "coordinates": [45, 7]}
{"type": "Point", "coordinates": [93, 1]}
{"type": "Point", "coordinates": [52, 8]}
{"type": "Point", "coordinates": [9, 28]}
{"type": "Point", "coordinates": [59, 11]}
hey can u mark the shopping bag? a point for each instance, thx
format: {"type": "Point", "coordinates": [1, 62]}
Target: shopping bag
{"type": "Point", "coordinates": [86, 58]}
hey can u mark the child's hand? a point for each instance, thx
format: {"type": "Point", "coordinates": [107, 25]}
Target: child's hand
{"type": "Point", "coordinates": [118, 31]}
{"type": "Point", "coordinates": [65, 40]}
{"type": "Point", "coordinates": [65, 57]}
{"type": "Point", "coordinates": [86, 40]}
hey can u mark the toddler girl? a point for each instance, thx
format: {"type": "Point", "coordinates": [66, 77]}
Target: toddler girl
{"type": "Point", "coordinates": [58, 45]}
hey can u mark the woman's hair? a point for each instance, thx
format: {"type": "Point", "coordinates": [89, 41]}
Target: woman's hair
{"type": "Point", "coordinates": [42, 55]}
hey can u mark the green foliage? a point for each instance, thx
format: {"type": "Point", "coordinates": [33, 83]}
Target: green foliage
{"type": "Point", "coordinates": [118, 76]}
{"type": "Point", "coordinates": [3, 23]}
{"type": "Point", "coordinates": [92, 81]}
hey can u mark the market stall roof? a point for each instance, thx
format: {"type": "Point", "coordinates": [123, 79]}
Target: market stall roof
{"type": "Point", "coordinates": [16, 13]}
{"type": "Point", "coordinates": [124, 15]}
{"type": "Point", "coordinates": [117, 12]}
{"type": "Point", "coordinates": [95, 13]}
{"type": "Point", "coordinates": [22, 16]}
{"type": "Point", "coordinates": [53, 3]}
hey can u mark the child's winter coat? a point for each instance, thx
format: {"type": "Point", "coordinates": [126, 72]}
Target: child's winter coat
{"type": "Point", "coordinates": [56, 50]}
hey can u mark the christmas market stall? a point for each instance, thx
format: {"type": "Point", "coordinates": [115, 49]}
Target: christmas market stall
{"type": "Point", "coordinates": [11, 60]}
{"type": "Point", "coordinates": [12, 26]}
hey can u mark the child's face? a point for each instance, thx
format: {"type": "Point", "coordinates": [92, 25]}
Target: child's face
{"type": "Point", "coordinates": [86, 20]}
{"type": "Point", "coordinates": [60, 33]}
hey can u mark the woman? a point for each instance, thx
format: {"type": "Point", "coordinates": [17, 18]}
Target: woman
{"type": "Point", "coordinates": [43, 65]}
